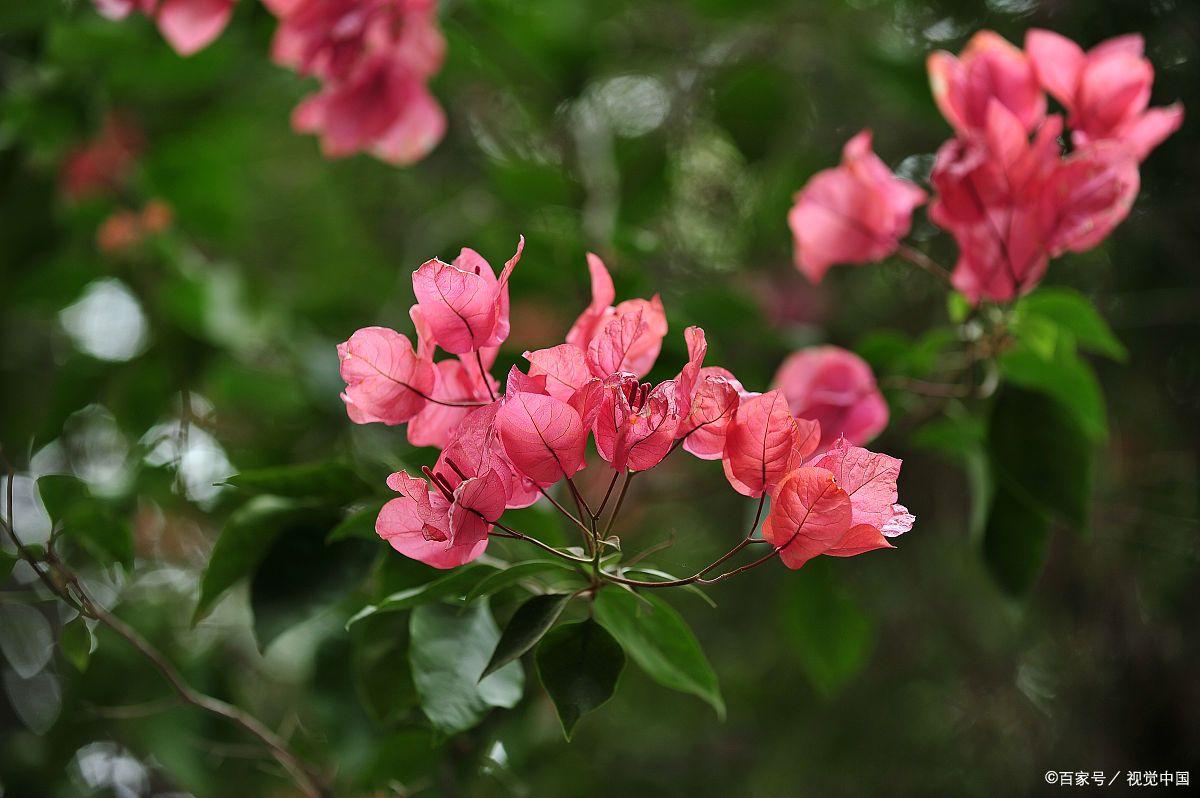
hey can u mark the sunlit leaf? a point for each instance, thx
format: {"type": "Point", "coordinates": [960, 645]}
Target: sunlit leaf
{"type": "Point", "coordinates": [660, 642]}
{"type": "Point", "coordinates": [449, 650]}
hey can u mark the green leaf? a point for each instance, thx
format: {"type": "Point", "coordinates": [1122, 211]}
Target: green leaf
{"type": "Point", "coordinates": [531, 620]}
{"type": "Point", "coordinates": [87, 519]}
{"type": "Point", "coordinates": [77, 643]}
{"type": "Point", "coordinates": [449, 648]}
{"type": "Point", "coordinates": [7, 561]}
{"type": "Point", "coordinates": [245, 540]}
{"type": "Point", "coordinates": [958, 307]}
{"type": "Point", "coordinates": [1039, 452]}
{"type": "Point", "coordinates": [660, 642]}
{"type": "Point", "coordinates": [579, 665]}
{"type": "Point", "coordinates": [1066, 377]}
{"type": "Point", "coordinates": [382, 676]}
{"type": "Point", "coordinates": [828, 632]}
{"type": "Point", "coordinates": [333, 480]}
{"type": "Point", "coordinates": [1074, 312]}
{"type": "Point", "coordinates": [494, 583]}
{"type": "Point", "coordinates": [359, 524]}
{"type": "Point", "coordinates": [453, 585]}
{"type": "Point", "coordinates": [1015, 541]}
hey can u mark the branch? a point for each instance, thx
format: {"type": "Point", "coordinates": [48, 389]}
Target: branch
{"type": "Point", "coordinates": [925, 263]}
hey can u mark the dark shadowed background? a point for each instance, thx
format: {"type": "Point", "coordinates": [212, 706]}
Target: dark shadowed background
{"type": "Point", "coordinates": [667, 136]}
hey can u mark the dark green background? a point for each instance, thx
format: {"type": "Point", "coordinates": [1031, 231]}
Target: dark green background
{"type": "Point", "coordinates": [905, 672]}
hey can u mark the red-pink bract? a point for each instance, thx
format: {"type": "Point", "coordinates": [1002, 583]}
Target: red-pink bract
{"type": "Point", "coordinates": [809, 515]}
{"type": "Point", "coordinates": [635, 425]}
{"type": "Point", "coordinates": [625, 337]}
{"type": "Point", "coordinates": [385, 380]}
{"type": "Point", "coordinates": [543, 437]}
{"type": "Point", "coordinates": [418, 524]}
{"type": "Point", "coordinates": [835, 388]}
{"type": "Point", "coordinates": [188, 25]}
{"type": "Point", "coordinates": [564, 366]}
{"type": "Point", "coordinates": [869, 479]}
{"type": "Point", "coordinates": [1106, 91]}
{"type": "Point", "coordinates": [764, 442]}
{"type": "Point", "coordinates": [854, 213]}
{"type": "Point", "coordinates": [988, 69]}
{"type": "Point", "coordinates": [455, 381]}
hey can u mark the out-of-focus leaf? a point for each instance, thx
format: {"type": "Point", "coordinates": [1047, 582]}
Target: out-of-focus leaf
{"type": "Point", "coordinates": [449, 648]}
{"type": "Point", "coordinates": [454, 584]}
{"type": "Point", "coordinates": [333, 480]}
{"type": "Point", "coordinates": [77, 643]}
{"type": "Point", "coordinates": [300, 575]}
{"type": "Point", "coordinates": [7, 561]}
{"type": "Point", "coordinates": [579, 665]}
{"type": "Point", "coordinates": [37, 700]}
{"type": "Point", "coordinates": [1066, 377]}
{"type": "Point", "coordinates": [660, 642]}
{"type": "Point", "coordinates": [828, 632]}
{"type": "Point", "coordinates": [1075, 313]}
{"type": "Point", "coordinates": [963, 440]}
{"type": "Point", "coordinates": [245, 540]}
{"type": "Point", "coordinates": [494, 583]}
{"type": "Point", "coordinates": [382, 675]}
{"type": "Point", "coordinates": [1039, 452]}
{"type": "Point", "coordinates": [531, 620]}
{"type": "Point", "coordinates": [359, 524]}
{"type": "Point", "coordinates": [86, 519]}
{"type": "Point", "coordinates": [1015, 541]}
{"type": "Point", "coordinates": [25, 638]}
{"type": "Point", "coordinates": [958, 307]}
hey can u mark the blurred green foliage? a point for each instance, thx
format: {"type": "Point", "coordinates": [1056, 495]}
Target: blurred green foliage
{"type": "Point", "coordinates": [668, 136]}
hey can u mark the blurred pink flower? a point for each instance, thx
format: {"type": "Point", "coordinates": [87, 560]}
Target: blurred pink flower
{"type": "Point", "coordinates": [188, 25]}
{"type": "Point", "coordinates": [102, 164]}
{"type": "Point", "coordinates": [1105, 91]}
{"type": "Point", "coordinates": [835, 388]}
{"type": "Point", "coordinates": [854, 213]}
{"type": "Point", "coordinates": [374, 59]}
{"type": "Point", "coordinates": [990, 68]}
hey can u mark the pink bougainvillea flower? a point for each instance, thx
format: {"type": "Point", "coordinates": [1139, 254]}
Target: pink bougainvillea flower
{"type": "Point", "coordinates": [465, 305]}
{"type": "Point", "coordinates": [440, 526]}
{"type": "Point", "coordinates": [990, 68]}
{"type": "Point", "coordinates": [564, 366]}
{"type": "Point", "coordinates": [474, 449]}
{"type": "Point", "coordinates": [809, 515]}
{"type": "Point", "coordinates": [869, 479]}
{"type": "Point", "coordinates": [385, 379]}
{"type": "Point", "coordinates": [854, 213]}
{"type": "Point", "coordinates": [1089, 193]}
{"type": "Point", "coordinates": [455, 381]}
{"type": "Point", "coordinates": [543, 437]}
{"type": "Point", "coordinates": [626, 337]}
{"type": "Point", "coordinates": [835, 388]}
{"type": "Point", "coordinates": [188, 25]}
{"type": "Point", "coordinates": [381, 108]}
{"type": "Point", "coordinates": [764, 442]}
{"type": "Point", "coordinates": [1012, 204]}
{"type": "Point", "coordinates": [706, 424]}
{"type": "Point", "coordinates": [635, 426]}
{"type": "Point", "coordinates": [1106, 90]}
{"type": "Point", "coordinates": [374, 58]}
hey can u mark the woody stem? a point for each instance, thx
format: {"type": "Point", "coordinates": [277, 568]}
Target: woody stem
{"type": "Point", "coordinates": [925, 263]}
{"type": "Point", "coordinates": [483, 375]}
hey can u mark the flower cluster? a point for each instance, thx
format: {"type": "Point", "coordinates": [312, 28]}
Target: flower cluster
{"type": "Point", "coordinates": [188, 25]}
{"type": "Point", "coordinates": [503, 448]}
{"type": "Point", "coordinates": [374, 59]}
{"type": "Point", "coordinates": [1005, 189]}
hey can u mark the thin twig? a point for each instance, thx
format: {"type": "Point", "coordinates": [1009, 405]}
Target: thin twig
{"type": "Point", "coordinates": [509, 532]}
{"type": "Point", "coordinates": [620, 500]}
{"type": "Point", "coordinates": [925, 263]}
{"type": "Point", "coordinates": [483, 375]}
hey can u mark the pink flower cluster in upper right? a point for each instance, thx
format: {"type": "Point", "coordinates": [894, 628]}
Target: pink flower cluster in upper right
{"type": "Point", "coordinates": [1004, 186]}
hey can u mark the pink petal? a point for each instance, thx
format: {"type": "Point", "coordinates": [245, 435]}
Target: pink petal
{"type": "Point", "coordinates": [809, 515]}
{"type": "Point", "coordinates": [859, 540]}
{"type": "Point", "coordinates": [609, 351]}
{"type": "Point", "coordinates": [519, 382]}
{"type": "Point", "coordinates": [603, 295]}
{"type": "Point", "coordinates": [418, 525]}
{"type": "Point", "coordinates": [1058, 62]}
{"type": "Point", "coordinates": [500, 333]}
{"type": "Point", "coordinates": [761, 444]}
{"type": "Point", "coordinates": [478, 502]}
{"type": "Point", "coordinates": [1151, 128]}
{"type": "Point", "coordinates": [191, 25]}
{"type": "Point", "coordinates": [543, 437]}
{"type": "Point", "coordinates": [564, 366]}
{"type": "Point", "coordinates": [835, 388]}
{"type": "Point", "coordinates": [1090, 193]}
{"type": "Point", "coordinates": [869, 479]}
{"type": "Point", "coordinates": [460, 306]}
{"type": "Point", "coordinates": [713, 406]}
{"type": "Point", "coordinates": [385, 380]}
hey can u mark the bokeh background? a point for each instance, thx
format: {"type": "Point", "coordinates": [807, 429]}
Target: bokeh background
{"type": "Point", "coordinates": [667, 136]}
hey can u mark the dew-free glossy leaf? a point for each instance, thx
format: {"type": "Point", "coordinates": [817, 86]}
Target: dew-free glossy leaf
{"type": "Point", "coordinates": [579, 665]}
{"type": "Point", "coordinates": [531, 620]}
